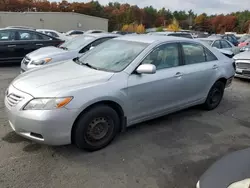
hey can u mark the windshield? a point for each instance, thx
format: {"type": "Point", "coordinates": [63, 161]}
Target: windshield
{"type": "Point", "coordinates": [76, 43]}
{"type": "Point", "coordinates": [209, 42]}
{"type": "Point", "coordinates": [113, 55]}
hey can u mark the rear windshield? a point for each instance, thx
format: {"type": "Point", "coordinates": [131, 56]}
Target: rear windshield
{"type": "Point", "coordinates": [209, 42]}
{"type": "Point", "coordinates": [185, 35]}
{"type": "Point", "coordinates": [77, 42]}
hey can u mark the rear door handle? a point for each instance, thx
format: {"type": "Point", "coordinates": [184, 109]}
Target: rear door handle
{"type": "Point", "coordinates": [215, 67]}
{"type": "Point", "coordinates": [11, 46]}
{"type": "Point", "coordinates": [39, 44]}
{"type": "Point", "coordinates": [178, 74]}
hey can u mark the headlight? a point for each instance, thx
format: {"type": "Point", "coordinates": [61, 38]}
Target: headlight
{"type": "Point", "coordinates": [241, 184]}
{"type": "Point", "coordinates": [47, 103]}
{"type": "Point", "coordinates": [41, 62]}
{"type": "Point", "coordinates": [198, 184]}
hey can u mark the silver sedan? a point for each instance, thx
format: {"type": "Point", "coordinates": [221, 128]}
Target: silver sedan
{"type": "Point", "coordinates": [124, 81]}
{"type": "Point", "coordinates": [68, 50]}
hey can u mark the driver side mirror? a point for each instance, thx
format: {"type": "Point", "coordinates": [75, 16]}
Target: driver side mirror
{"type": "Point", "coordinates": [146, 69]}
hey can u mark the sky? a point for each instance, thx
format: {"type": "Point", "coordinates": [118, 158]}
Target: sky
{"type": "Point", "coordinates": [198, 6]}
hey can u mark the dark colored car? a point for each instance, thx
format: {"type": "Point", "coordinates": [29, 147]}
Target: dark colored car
{"type": "Point", "coordinates": [231, 38]}
{"type": "Point", "coordinates": [16, 43]}
{"type": "Point", "coordinates": [231, 171]}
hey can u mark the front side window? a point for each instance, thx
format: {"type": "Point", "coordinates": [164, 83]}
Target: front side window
{"type": "Point", "coordinates": [164, 56]}
{"type": "Point", "coordinates": [113, 55]}
{"type": "Point", "coordinates": [193, 53]}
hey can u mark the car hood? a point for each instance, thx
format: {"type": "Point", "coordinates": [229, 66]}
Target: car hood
{"type": "Point", "coordinates": [46, 52]}
{"type": "Point", "coordinates": [53, 79]}
{"type": "Point", "coordinates": [243, 55]}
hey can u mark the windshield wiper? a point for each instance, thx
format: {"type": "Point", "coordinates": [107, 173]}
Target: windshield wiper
{"type": "Point", "coordinates": [82, 63]}
{"type": "Point", "coordinates": [64, 48]}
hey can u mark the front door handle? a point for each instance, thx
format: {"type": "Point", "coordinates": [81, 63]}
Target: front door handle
{"type": "Point", "coordinates": [178, 74]}
{"type": "Point", "coordinates": [215, 67]}
{"type": "Point", "coordinates": [11, 46]}
{"type": "Point", "coordinates": [39, 44]}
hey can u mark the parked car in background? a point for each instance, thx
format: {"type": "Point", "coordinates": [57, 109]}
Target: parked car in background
{"type": "Point", "coordinates": [243, 38]}
{"type": "Point", "coordinates": [231, 171]}
{"type": "Point", "coordinates": [242, 62]}
{"type": "Point", "coordinates": [229, 37]}
{"type": "Point", "coordinates": [245, 48]}
{"type": "Point", "coordinates": [121, 82]}
{"type": "Point", "coordinates": [94, 31]}
{"type": "Point", "coordinates": [73, 33]}
{"type": "Point", "coordinates": [222, 45]}
{"type": "Point", "coordinates": [68, 50]}
{"type": "Point", "coordinates": [123, 32]}
{"type": "Point", "coordinates": [53, 33]}
{"type": "Point", "coordinates": [175, 34]}
{"type": "Point", "coordinates": [16, 43]}
{"type": "Point", "coordinates": [21, 27]}
{"type": "Point", "coordinates": [245, 43]}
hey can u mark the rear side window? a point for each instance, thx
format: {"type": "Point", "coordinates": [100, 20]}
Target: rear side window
{"type": "Point", "coordinates": [217, 44]}
{"type": "Point", "coordinates": [193, 53]}
{"type": "Point", "coordinates": [209, 55]}
{"type": "Point", "coordinates": [6, 35]}
{"type": "Point", "coordinates": [76, 33]}
{"type": "Point", "coordinates": [225, 44]}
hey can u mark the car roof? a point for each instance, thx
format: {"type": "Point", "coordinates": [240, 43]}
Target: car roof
{"type": "Point", "coordinates": [46, 30]}
{"type": "Point", "coordinates": [144, 38]}
{"type": "Point", "coordinates": [210, 39]}
{"type": "Point", "coordinates": [100, 35]}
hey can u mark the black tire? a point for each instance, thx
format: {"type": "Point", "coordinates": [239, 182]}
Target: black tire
{"type": "Point", "coordinates": [215, 96]}
{"type": "Point", "coordinates": [97, 120]}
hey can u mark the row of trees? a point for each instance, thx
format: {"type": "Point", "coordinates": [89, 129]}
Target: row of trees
{"type": "Point", "coordinates": [122, 14]}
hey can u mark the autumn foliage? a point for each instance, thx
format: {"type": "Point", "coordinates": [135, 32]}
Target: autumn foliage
{"type": "Point", "coordinates": [134, 28]}
{"type": "Point", "coordinates": [121, 14]}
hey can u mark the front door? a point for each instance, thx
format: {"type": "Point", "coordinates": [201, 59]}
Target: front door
{"type": "Point", "coordinates": [154, 94]}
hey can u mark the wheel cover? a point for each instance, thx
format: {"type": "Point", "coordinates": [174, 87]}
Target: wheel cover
{"type": "Point", "coordinates": [97, 129]}
{"type": "Point", "coordinates": [215, 96]}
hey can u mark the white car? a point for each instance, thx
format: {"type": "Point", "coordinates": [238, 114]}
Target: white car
{"type": "Point", "coordinates": [242, 62]}
{"type": "Point", "coordinates": [53, 33]}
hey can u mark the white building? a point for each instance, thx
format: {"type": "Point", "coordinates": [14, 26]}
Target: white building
{"type": "Point", "coordinates": [60, 21]}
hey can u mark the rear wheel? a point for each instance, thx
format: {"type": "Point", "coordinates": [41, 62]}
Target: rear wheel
{"type": "Point", "coordinates": [215, 96]}
{"type": "Point", "coordinates": [96, 128]}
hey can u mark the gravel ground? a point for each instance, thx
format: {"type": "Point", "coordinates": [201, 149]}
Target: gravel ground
{"type": "Point", "coordinates": [172, 151]}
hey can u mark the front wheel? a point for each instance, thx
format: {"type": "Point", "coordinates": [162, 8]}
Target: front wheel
{"type": "Point", "coordinates": [215, 96]}
{"type": "Point", "coordinates": [96, 128]}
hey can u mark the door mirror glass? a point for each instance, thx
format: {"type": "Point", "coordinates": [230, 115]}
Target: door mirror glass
{"type": "Point", "coordinates": [146, 69]}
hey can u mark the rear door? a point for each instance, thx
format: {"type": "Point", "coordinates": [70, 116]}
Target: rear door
{"type": "Point", "coordinates": [199, 72]}
{"type": "Point", "coordinates": [42, 40]}
{"type": "Point", "coordinates": [7, 46]}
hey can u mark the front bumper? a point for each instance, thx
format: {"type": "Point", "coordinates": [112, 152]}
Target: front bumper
{"type": "Point", "coordinates": [52, 127]}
